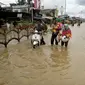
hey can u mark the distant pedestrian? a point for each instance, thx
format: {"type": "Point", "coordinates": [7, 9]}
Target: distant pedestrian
{"type": "Point", "coordinates": [15, 23]}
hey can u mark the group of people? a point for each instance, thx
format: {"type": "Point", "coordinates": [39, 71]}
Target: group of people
{"type": "Point", "coordinates": [60, 32]}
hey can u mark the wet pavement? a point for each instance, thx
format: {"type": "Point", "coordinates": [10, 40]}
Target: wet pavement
{"type": "Point", "coordinates": [20, 64]}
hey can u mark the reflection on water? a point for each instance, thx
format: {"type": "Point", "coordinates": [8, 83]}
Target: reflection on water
{"type": "Point", "coordinates": [46, 65]}
{"type": "Point", "coordinates": [60, 57]}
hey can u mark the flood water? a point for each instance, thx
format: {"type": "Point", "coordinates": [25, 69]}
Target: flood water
{"type": "Point", "coordinates": [46, 65]}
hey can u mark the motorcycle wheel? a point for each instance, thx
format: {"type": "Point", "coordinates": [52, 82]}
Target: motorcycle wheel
{"type": "Point", "coordinates": [38, 44]}
{"type": "Point", "coordinates": [34, 46]}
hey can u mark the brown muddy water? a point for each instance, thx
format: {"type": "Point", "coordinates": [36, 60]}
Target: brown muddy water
{"type": "Point", "coordinates": [46, 65]}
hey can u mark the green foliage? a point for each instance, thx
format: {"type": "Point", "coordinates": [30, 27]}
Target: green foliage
{"type": "Point", "coordinates": [25, 22]}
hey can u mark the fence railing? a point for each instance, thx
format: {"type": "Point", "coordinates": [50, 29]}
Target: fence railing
{"type": "Point", "coordinates": [14, 34]}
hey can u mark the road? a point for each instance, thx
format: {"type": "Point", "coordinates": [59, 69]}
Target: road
{"type": "Point", "coordinates": [46, 65]}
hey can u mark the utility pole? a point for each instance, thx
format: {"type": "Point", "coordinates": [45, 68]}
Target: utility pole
{"type": "Point", "coordinates": [32, 7]}
{"type": "Point", "coordinates": [28, 2]}
{"type": "Point", "coordinates": [65, 6]}
{"type": "Point", "coordinates": [61, 9]}
{"type": "Point", "coordinates": [81, 14]}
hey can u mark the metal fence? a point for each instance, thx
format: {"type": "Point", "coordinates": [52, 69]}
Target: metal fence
{"type": "Point", "coordinates": [14, 34]}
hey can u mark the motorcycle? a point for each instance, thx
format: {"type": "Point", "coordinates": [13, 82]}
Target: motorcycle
{"type": "Point", "coordinates": [78, 24]}
{"type": "Point", "coordinates": [35, 39]}
{"type": "Point", "coordinates": [72, 24]}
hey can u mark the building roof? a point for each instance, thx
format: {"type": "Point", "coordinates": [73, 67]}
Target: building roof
{"type": "Point", "coordinates": [2, 3]}
{"type": "Point", "coordinates": [19, 6]}
{"type": "Point", "coordinates": [48, 10]}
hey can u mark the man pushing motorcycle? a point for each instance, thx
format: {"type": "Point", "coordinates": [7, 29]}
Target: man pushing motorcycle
{"type": "Point", "coordinates": [40, 30]}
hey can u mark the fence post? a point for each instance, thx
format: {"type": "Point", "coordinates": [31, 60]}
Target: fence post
{"type": "Point", "coordinates": [5, 35]}
{"type": "Point", "coordinates": [18, 35]}
{"type": "Point", "coordinates": [27, 33]}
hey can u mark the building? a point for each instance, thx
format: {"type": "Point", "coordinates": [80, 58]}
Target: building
{"type": "Point", "coordinates": [48, 12]}
{"type": "Point", "coordinates": [4, 7]}
{"type": "Point", "coordinates": [2, 4]}
{"type": "Point", "coordinates": [19, 8]}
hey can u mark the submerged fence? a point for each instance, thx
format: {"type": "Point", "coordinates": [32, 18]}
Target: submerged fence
{"type": "Point", "coordinates": [14, 34]}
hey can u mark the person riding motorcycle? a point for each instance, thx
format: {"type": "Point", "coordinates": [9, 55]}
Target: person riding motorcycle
{"type": "Point", "coordinates": [79, 23]}
{"type": "Point", "coordinates": [39, 28]}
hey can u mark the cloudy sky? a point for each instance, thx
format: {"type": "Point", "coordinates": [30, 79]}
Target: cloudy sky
{"type": "Point", "coordinates": [74, 7]}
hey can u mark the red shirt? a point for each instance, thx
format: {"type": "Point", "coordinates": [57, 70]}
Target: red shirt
{"type": "Point", "coordinates": [66, 32]}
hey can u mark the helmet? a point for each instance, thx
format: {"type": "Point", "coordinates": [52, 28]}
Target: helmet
{"type": "Point", "coordinates": [66, 25]}
{"type": "Point", "coordinates": [58, 20]}
{"type": "Point", "coordinates": [36, 31]}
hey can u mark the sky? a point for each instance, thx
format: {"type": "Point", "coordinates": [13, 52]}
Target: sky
{"type": "Point", "coordinates": [74, 7]}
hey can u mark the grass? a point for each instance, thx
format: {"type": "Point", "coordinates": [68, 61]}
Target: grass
{"type": "Point", "coordinates": [25, 22]}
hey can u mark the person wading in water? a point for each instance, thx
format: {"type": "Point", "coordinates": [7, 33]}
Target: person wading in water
{"type": "Point", "coordinates": [55, 31]}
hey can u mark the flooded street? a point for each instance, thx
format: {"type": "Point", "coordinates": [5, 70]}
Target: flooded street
{"type": "Point", "coordinates": [46, 65]}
